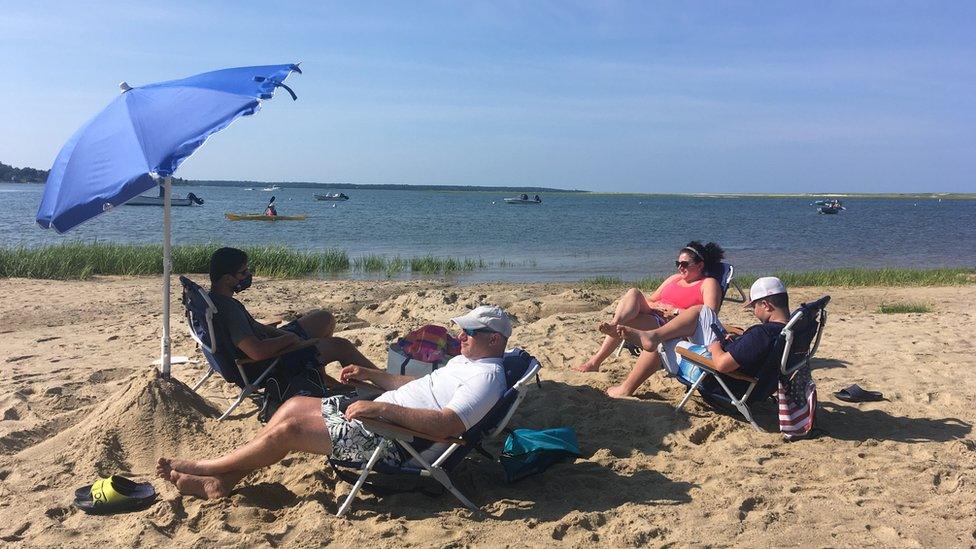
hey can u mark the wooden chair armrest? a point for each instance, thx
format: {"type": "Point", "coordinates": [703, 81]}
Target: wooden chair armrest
{"type": "Point", "coordinates": [388, 429]}
{"type": "Point", "coordinates": [289, 349]}
{"type": "Point", "coordinates": [706, 363]}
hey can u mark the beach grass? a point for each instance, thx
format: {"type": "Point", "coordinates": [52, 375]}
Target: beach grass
{"type": "Point", "coordinates": [902, 308]}
{"type": "Point", "coordinates": [81, 260]}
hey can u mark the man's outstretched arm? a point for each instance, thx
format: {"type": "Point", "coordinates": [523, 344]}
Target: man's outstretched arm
{"type": "Point", "coordinates": [441, 424]}
{"type": "Point", "coordinates": [383, 380]}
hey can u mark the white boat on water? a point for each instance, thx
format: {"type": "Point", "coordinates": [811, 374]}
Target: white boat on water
{"type": "Point", "coordinates": [524, 199]}
{"type": "Point", "coordinates": [334, 197]}
{"type": "Point", "coordinates": [190, 200]}
{"type": "Point", "coordinates": [272, 188]}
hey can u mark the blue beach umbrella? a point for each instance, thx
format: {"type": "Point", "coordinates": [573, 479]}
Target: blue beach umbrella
{"type": "Point", "coordinates": [139, 140]}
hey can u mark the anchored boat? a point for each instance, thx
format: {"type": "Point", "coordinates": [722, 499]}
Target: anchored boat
{"type": "Point", "coordinates": [524, 199]}
{"type": "Point", "coordinates": [333, 197]}
{"type": "Point", "coordinates": [190, 200]}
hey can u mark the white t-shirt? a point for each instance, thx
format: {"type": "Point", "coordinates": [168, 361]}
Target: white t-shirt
{"type": "Point", "coordinates": [469, 388]}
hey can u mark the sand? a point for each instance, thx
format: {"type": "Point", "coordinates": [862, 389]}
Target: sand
{"type": "Point", "coordinates": [79, 399]}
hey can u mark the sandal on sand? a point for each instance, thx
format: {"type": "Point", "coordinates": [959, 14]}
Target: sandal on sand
{"type": "Point", "coordinates": [634, 349]}
{"type": "Point", "coordinates": [855, 393]}
{"type": "Point", "coordinates": [113, 495]}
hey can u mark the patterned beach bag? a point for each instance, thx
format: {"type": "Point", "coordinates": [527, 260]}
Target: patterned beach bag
{"type": "Point", "coordinates": [422, 351]}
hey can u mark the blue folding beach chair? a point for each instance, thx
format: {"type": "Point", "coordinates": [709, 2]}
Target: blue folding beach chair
{"type": "Point", "coordinates": [520, 367]}
{"type": "Point", "coordinates": [214, 341]}
{"type": "Point", "coordinates": [795, 346]}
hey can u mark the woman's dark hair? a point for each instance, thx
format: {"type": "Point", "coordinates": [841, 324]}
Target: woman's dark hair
{"type": "Point", "coordinates": [711, 254]}
{"type": "Point", "coordinates": [226, 261]}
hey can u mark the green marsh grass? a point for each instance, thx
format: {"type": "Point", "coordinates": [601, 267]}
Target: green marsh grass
{"type": "Point", "coordinates": [81, 260]}
{"type": "Point", "coordinates": [902, 308]}
{"type": "Point", "coordinates": [603, 282]}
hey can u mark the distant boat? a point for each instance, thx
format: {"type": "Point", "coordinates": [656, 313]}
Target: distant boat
{"type": "Point", "coordinates": [249, 189]}
{"type": "Point", "coordinates": [524, 199]}
{"type": "Point", "coordinates": [832, 209]}
{"type": "Point", "coordinates": [190, 200]}
{"type": "Point", "coordinates": [334, 197]}
{"type": "Point", "coordinates": [272, 188]}
{"type": "Point", "coordinates": [262, 217]}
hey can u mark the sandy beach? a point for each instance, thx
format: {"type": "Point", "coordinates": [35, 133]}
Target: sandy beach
{"type": "Point", "coordinates": [80, 400]}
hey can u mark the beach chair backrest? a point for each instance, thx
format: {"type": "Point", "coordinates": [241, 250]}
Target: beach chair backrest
{"type": "Point", "coordinates": [214, 343]}
{"type": "Point", "coordinates": [520, 368]}
{"type": "Point", "coordinates": [801, 336]}
{"type": "Point", "coordinates": [726, 280]}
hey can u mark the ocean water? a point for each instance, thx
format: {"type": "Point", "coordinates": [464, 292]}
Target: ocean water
{"type": "Point", "coordinates": [569, 237]}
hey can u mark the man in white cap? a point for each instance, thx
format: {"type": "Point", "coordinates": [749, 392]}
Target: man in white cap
{"type": "Point", "coordinates": [444, 403]}
{"type": "Point", "coordinates": [747, 353]}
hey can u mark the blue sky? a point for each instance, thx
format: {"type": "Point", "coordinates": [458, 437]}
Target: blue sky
{"type": "Point", "coordinates": [604, 96]}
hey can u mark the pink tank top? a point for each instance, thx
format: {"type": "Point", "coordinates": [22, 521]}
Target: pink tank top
{"type": "Point", "coordinates": [682, 296]}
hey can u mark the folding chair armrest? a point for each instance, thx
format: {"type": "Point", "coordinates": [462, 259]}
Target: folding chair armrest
{"type": "Point", "coordinates": [392, 430]}
{"type": "Point", "coordinates": [707, 364]}
{"type": "Point", "coordinates": [289, 349]}
{"type": "Point", "coordinates": [365, 389]}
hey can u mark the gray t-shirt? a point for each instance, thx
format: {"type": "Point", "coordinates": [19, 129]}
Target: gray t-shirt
{"type": "Point", "coordinates": [239, 323]}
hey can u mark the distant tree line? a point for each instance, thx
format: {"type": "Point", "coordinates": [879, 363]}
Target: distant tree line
{"type": "Point", "coordinates": [22, 175]}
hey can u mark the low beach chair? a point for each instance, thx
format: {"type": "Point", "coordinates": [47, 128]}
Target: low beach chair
{"type": "Point", "coordinates": [520, 367]}
{"type": "Point", "coordinates": [215, 343]}
{"type": "Point", "coordinates": [794, 348]}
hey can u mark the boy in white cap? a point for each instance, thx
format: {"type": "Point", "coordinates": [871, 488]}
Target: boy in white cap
{"type": "Point", "coordinates": [445, 403]}
{"type": "Point", "coordinates": [747, 353]}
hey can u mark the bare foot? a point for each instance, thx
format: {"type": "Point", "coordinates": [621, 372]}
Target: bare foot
{"type": "Point", "coordinates": [612, 330]}
{"type": "Point", "coordinates": [618, 391]}
{"type": "Point", "coordinates": [201, 486]}
{"type": "Point", "coordinates": [647, 340]}
{"type": "Point", "coordinates": [163, 468]}
{"type": "Point", "coordinates": [588, 366]}
{"type": "Point", "coordinates": [187, 466]}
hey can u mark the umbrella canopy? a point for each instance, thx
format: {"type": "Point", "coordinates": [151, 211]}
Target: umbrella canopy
{"type": "Point", "coordinates": [145, 132]}
{"type": "Point", "coordinates": [143, 136]}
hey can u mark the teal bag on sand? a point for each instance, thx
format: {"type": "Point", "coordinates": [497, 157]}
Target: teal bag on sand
{"type": "Point", "coordinates": [528, 452]}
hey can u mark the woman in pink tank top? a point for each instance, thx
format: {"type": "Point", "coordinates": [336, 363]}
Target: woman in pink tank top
{"type": "Point", "coordinates": [689, 287]}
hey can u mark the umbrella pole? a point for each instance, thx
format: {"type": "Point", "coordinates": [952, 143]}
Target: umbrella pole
{"type": "Point", "coordinates": [164, 359]}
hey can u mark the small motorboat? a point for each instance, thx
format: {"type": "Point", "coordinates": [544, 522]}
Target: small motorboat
{"type": "Point", "coordinates": [272, 188]}
{"type": "Point", "coordinates": [334, 197]}
{"type": "Point", "coordinates": [262, 217]}
{"type": "Point", "coordinates": [190, 200]}
{"type": "Point", "coordinates": [524, 199]}
{"type": "Point", "coordinates": [830, 209]}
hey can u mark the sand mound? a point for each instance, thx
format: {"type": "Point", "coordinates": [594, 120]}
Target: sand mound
{"type": "Point", "coordinates": [128, 429]}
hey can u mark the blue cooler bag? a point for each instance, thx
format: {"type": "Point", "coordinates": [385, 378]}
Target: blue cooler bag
{"type": "Point", "coordinates": [528, 452]}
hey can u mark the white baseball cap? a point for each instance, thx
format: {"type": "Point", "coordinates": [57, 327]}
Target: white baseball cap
{"type": "Point", "coordinates": [765, 287]}
{"type": "Point", "coordinates": [486, 316]}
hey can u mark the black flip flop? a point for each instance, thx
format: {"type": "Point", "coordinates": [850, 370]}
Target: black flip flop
{"type": "Point", "coordinates": [855, 393]}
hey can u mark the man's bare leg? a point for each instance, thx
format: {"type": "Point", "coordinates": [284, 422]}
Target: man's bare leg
{"type": "Point", "coordinates": [318, 324]}
{"type": "Point", "coordinates": [647, 364]}
{"type": "Point", "coordinates": [297, 427]}
{"type": "Point", "coordinates": [343, 351]}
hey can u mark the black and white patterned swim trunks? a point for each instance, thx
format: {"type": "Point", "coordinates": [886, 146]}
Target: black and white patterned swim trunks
{"type": "Point", "coordinates": [351, 441]}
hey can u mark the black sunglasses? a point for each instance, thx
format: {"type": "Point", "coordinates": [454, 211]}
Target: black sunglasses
{"type": "Point", "coordinates": [684, 264]}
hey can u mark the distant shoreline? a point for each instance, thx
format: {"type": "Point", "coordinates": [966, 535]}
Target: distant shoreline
{"type": "Point", "coordinates": [533, 190]}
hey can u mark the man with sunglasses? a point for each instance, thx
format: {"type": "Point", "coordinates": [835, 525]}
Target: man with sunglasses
{"type": "Point", "coordinates": [444, 403]}
{"type": "Point", "coordinates": [770, 303]}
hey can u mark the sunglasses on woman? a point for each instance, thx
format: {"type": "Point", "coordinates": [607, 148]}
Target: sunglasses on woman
{"type": "Point", "coordinates": [683, 264]}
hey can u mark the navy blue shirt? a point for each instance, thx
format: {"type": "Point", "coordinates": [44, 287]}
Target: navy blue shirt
{"type": "Point", "coordinates": [752, 348]}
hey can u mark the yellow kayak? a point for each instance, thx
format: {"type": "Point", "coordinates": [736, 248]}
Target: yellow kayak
{"type": "Point", "coordinates": [262, 217]}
